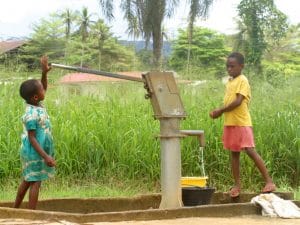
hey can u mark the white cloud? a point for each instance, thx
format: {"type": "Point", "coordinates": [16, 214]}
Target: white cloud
{"type": "Point", "coordinates": [290, 8]}
{"type": "Point", "coordinates": [16, 16]}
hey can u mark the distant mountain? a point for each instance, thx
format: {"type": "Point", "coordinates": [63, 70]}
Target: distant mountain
{"type": "Point", "coordinates": [139, 45]}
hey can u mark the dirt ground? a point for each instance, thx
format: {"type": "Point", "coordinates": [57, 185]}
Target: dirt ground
{"type": "Point", "coordinates": [253, 220]}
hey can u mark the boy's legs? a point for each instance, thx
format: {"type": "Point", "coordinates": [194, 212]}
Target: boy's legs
{"type": "Point", "coordinates": [34, 194]}
{"type": "Point", "coordinates": [235, 168]}
{"type": "Point", "coordinates": [270, 186]}
{"type": "Point", "coordinates": [21, 193]}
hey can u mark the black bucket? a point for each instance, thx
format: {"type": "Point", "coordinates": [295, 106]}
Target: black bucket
{"type": "Point", "coordinates": [192, 196]}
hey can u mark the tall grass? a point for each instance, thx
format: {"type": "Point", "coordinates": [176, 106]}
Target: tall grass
{"type": "Point", "coordinates": [106, 132]}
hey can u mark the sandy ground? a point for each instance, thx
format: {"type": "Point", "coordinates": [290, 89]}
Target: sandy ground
{"type": "Point", "coordinates": [252, 220]}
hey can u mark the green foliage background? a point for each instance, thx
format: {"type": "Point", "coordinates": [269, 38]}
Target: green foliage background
{"type": "Point", "coordinates": [207, 53]}
{"type": "Point", "coordinates": [106, 133]}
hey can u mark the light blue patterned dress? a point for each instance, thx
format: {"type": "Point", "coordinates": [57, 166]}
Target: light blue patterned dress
{"type": "Point", "coordinates": [33, 166]}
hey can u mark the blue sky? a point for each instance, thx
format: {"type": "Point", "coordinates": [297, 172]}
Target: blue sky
{"type": "Point", "coordinates": [17, 16]}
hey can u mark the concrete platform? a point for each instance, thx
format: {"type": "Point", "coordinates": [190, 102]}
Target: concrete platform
{"type": "Point", "coordinates": [144, 207]}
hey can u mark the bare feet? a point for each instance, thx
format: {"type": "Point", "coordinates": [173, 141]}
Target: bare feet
{"type": "Point", "coordinates": [270, 187]}
{"type": "Point", "coordinates": [234, 192]}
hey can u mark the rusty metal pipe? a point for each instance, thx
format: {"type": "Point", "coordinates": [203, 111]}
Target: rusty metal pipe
{"type": "Point", "coordinates": [97, 72]}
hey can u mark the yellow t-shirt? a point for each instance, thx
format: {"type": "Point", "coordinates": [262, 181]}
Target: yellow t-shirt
{"type": "Point", "coordinates": [240, 116]}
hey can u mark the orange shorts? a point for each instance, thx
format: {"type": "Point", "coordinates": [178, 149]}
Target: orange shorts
{"type": "Point", "coordinates": [236, 138]}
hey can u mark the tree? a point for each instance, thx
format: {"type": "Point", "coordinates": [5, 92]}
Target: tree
{"type": "Point", "coordinates": [286, 50]}
{"type": "Point", "coordinates": [48, 38]}
{"type": "Point", "coordinates": [146, 58]}
{"type": "Point", "coordinates": [283, 56]}
{"type": "Point", "coordinates": [84, 21]}
{"type": "Point", "coordinates": [207, 50]}
{"type": "Point", "coordinates": [198, 8]}
{"type": "Point", "coordinates": [145, 18]}
{"type": "Point", "coordinates": [68, 17]}
{"type": "Point", "coordinates": [259, 19]}
{"type": "Point", "coordinates": [101, 32]}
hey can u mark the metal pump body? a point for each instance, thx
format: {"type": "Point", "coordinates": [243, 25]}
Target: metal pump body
{"type": "Point", "coordinates": [168, 109]}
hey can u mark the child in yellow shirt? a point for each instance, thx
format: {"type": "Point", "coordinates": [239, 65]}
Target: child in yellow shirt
{"type": "Point", "coordinates": [238, 133]}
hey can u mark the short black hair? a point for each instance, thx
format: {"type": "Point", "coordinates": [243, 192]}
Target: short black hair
{"type": "Point", "coordinates": [238, 56]}
{"type": "Point", "coordinates": [29, 88]}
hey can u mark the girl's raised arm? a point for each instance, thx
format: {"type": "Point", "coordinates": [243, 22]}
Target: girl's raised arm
{"type": "Point", "coordinates": [45, 70]}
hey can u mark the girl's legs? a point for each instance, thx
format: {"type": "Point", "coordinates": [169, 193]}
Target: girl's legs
{"type": "Point", "coordinates": [34, 194]}
{"type": "Point", "coordinates": [270, 186]}
{"type": "Point", "coordinates": [235, 168]}
{"type": "Point", "coordinates": [21, 193]}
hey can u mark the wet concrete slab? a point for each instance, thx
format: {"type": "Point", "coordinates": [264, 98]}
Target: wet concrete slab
{"type": "Point", "coordinates": [139, 208]}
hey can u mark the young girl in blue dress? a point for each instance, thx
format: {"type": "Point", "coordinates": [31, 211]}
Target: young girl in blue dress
{"type": "Point", "coordinates": [37, 153]}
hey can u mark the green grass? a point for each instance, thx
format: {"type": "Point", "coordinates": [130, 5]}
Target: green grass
{"type": "Point", "coordinates": [58, 188]}
{"type": "Point", "coordinates": [63, 188]}
{"type": "Point", "coordinates": [105, 138]}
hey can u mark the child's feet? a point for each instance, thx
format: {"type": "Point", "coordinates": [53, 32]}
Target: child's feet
{"type": "Point", "coordinates": [269, 187]}
{"type": "Point", "coordinates": [234, 192]}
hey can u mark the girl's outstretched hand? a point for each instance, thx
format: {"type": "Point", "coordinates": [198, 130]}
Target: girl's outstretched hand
{"type": "Point", "coordinates": [44, 64]}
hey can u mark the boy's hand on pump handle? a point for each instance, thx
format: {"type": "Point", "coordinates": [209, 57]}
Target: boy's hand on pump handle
{"type": "Point", "coordinates": [216, 113]}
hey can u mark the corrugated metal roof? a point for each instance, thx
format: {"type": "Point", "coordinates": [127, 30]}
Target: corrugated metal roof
{"type": "Point", "coordinates": [6, 46]}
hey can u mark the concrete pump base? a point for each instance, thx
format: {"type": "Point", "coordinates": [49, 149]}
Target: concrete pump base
{"type": "Point", "coordinates": [144, 207]}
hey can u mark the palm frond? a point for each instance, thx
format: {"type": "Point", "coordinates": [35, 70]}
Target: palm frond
{"type": "Point", "coordinates": [107, 8]}
{"type": "Point", "coordinates": [170, 7]}
{"type": "Point", "coordinates": [198, 8]}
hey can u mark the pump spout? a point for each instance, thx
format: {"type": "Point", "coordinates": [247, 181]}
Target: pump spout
{"type": "Point", "coordinates": [199, 133]}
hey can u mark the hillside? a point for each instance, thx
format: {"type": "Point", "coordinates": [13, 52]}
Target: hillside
{"type": "Point", "coordinates": [139, 45]}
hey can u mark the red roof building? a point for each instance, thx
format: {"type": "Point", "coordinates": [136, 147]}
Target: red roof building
{"type": "Point", "coordinates": [8, 46]}
{"type": "Point", "coordinates": [84, 77]}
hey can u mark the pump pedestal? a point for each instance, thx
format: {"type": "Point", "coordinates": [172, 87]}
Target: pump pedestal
{"type": "Point", "coordinates": [168, 109]}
